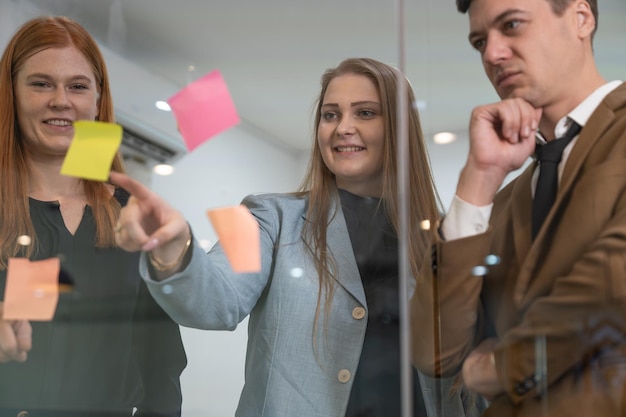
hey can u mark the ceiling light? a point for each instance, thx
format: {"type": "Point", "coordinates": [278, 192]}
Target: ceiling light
{"type": "Point", "coordinates": [162, 105]}
{"type": "Point", "coordinates": [163, 169]}
{"type": "Point", "coordinates": [443, 138]}
{"type": "Point", "coordinates": [420, 105]}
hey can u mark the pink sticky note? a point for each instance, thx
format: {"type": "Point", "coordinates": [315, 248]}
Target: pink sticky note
{"type": "Point", "coordinates": [32, 289]}
{"type": "Point", "coordinates": [239, 235]}
{"type": "Point", "coordinates": [203, 109]}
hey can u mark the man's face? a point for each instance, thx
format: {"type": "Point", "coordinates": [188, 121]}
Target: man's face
{"type": "Point", "coordinates": [527, 50]}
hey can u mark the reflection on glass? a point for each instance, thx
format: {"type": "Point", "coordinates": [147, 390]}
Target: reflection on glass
{"type": "Point", "coordinates": [270, 79]}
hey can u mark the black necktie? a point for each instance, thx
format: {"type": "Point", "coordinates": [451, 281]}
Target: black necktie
{"type": "Point", "coordinates": [549, 156]}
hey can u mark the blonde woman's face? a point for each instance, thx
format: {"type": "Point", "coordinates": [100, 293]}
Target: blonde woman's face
{"type": "Point", "coordinates": [351, 134]}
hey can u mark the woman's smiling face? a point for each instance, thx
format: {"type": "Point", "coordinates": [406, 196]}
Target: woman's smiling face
{"type": "Point", "coordinates": [53, 89]}
{"type": "Point", "coordinates": [351, 134]}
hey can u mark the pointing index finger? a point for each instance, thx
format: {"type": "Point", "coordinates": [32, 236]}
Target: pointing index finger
{"type": "Point", "coordinates": [134, 187]}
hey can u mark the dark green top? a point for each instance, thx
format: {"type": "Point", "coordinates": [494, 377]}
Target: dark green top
{"type": "Point", "coordinates": [110, 347]}
{"type": "Point", "coordinates": [376, 388]}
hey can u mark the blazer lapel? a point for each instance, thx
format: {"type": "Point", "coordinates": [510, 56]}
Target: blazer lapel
{"type": "Point", "coordinates": [340, 246]}
{"type": "Point", "coordinates": [594, 130]}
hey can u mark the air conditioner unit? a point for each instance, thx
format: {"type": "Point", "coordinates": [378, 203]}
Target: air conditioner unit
{"type": "Point", "coordinates": [145, 143]}
{"type": "Point", "coordinates": [148, 132]}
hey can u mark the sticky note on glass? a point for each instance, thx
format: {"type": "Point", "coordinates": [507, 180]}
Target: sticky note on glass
{"type": "Point", "coordinates": [32, 289]}
{"type": "Point", "coordinates": [239, 236]}
{"type": "Point", "coordinates": [92, 150]}
{"type": "Point", "coordinates": [203, 109]}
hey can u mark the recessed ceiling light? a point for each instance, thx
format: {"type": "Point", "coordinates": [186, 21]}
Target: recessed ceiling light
{"type": "Point", "coordinates": [162, 105]}
{"type": "Point", "coordinates": [443, 138]}
{"type": "Point", "coordinates": [420, 105]}
{"type": "Point", "coordinates": [163, 169]}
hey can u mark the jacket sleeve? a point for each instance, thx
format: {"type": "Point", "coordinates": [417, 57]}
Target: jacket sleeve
{"type": "Point", "coordinates": [571, 312]}
{"type": "Point", "coordinates": [582, 316]}
{"type": "Point", "coordinates": [208, 294]}
{"type": "Point", "coordinates": [446, 305]}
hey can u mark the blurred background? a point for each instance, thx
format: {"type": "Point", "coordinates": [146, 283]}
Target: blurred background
{"type": "Point", "coordinates": [271, 54]}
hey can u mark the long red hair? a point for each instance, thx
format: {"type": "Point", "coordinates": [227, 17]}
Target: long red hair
{"type": "Point", "coordinates": [32, 37]}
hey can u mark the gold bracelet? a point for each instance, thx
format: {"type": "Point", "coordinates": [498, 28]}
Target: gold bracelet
{"type": "Point", "coordinates": [161, 266]}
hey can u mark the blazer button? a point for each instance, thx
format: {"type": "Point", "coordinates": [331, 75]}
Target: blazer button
{"type": "Point", "coordinates": [529, 384]}
{"type": "Point", "coordinates": [344, 376]}
{"type": "Point", "coordinates": [358, 313]}
{"type": "Point", "coordinates": [22, 414]}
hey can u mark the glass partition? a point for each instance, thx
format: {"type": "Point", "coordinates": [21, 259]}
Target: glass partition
{"type": "Point", "coordinates": [333, 320]}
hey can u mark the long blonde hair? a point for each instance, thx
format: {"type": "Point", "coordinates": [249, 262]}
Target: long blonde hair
{"type": "Point", "coordinates": [32, 37]}
{"type": "Point", "coordinates": [319, 181]}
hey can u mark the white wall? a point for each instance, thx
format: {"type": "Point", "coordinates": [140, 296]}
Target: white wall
{"type": "Point", "coordinates": [12, 14]}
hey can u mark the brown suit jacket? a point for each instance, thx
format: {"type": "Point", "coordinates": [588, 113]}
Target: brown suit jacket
{"type": "Point", "coordinates": [556, 305]}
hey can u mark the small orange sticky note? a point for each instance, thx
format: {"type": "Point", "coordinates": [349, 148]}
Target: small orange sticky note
{"type": "Point", "coordinates": [32, 289]}
{"type": "Point", "coordinates": [92, 150]}
{"type": "Point", "coordinates": [203, 109]}
{"type": "Point", "coordinates": [239, 235]}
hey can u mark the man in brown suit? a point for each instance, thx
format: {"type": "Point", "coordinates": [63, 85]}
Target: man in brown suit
{"type": "Point", "coordinates": [534, 323]}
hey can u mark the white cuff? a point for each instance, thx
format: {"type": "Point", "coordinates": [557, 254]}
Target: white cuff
{"type": "Point", "coordinates": [465, 219]}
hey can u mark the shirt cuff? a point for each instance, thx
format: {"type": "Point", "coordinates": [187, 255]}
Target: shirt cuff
{"type": "Point", "coordinates": [465, 220]}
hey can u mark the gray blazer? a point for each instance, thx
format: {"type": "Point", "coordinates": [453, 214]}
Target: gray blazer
{"type": "Point", "coordinates": [288, 371]}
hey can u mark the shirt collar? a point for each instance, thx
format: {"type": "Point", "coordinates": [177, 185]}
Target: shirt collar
{"type": "Point", "coordinates": [583, 111]}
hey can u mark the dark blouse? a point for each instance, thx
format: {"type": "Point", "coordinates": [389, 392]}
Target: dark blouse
{"type": "Point", "coordinates": [376, 388]}
{"type": "Point", "coordinates": [109, 348]}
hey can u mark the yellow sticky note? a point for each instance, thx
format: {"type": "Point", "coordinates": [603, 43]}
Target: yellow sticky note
{"type": "Point", "coordinates": [92, 150]}
{"type": "Point", "coordinates": [32, 289]}
{"type": "Point", "coordinates": [239, 235]}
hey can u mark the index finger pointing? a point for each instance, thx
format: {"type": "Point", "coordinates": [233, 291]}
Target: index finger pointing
{"type": "Point", "coordinates": [134, 187]}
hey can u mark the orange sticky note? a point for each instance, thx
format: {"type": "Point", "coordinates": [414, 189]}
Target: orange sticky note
{"type": "Point", "coordinates": [239, 235]}
{"type": "Point", "coordinates": [32, 289]}
{"type": "Point", "coordinates": [203, 109]}
{"type": "Point", "coordinates": [92, 150]}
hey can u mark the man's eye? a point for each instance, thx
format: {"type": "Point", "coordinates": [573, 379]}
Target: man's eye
{"type": "Point", "coordinates": [478, 44]}
{"type": "Point", "coordinates": [512, 24]}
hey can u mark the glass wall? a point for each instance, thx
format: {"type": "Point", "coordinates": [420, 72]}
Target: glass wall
{"type": "Point", "coordinates": [337, 319]}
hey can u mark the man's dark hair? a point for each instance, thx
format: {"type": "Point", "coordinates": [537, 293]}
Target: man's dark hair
{"type": "Point", "coordinates": [558, 7]}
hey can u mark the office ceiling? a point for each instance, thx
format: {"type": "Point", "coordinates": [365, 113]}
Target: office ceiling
{"type": "Point", "coordinates": [273, 52]}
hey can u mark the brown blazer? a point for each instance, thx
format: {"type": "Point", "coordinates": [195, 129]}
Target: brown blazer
{"type": "Point", "coordinates": [556, 305]}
